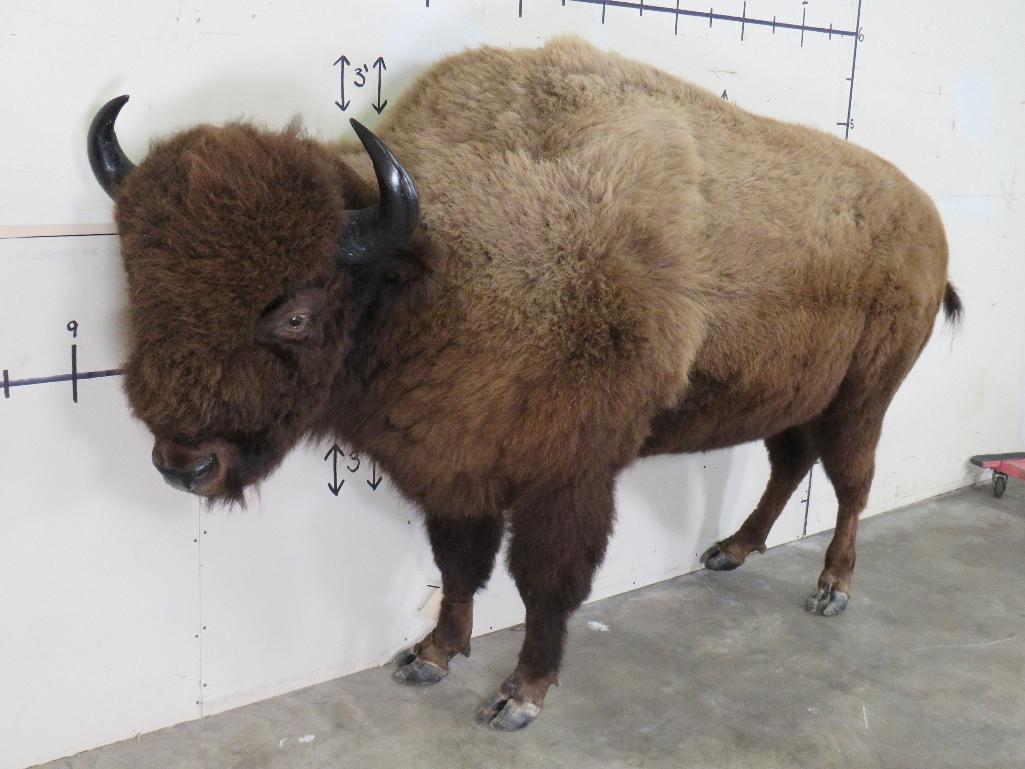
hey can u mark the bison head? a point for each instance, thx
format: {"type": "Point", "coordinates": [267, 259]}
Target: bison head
{"type": "Point", "coordinates": [242, 259]}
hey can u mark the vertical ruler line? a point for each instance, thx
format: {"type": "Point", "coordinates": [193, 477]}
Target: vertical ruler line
{"type": "Point", "coordinates": [807, 502]}
{"type": "Point", "coordinates": [200, 626]}
{"type": "Point", "coordinates": [854, 63]}
{"type": "Point", "coordinates": [74, 373]}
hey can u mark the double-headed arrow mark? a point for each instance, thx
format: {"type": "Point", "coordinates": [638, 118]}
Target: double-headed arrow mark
{"type": "Point", "coordinates": [343, 104]}
{"type": "Point", "coordinates": [333, 453]}
{"type": "Point", "coordinates": [379, 105]}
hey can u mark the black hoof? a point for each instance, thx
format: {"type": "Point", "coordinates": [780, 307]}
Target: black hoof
{"type": "Point", "coordinates": [826, 601]}
{"type": "Point", "coordinates": [717, 560]}
{"type": "Point", "coordinates": [414, 671]}
{"type": "Point", "coordinates": [505, 714]}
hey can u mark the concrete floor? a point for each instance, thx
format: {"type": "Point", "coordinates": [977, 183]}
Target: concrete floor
{"type": "Point", "coordinates": [712, 670]}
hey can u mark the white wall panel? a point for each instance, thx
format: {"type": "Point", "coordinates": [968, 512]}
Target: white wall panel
{"type": "Point", "coordinates": [126, 606]}
{"type": "Point", "coordinates": [321, 585]}
{"type": "Point", "coordinates": [99, 569]}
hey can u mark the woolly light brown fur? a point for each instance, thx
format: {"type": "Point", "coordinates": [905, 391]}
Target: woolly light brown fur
{"type": "Point", "coordinates": [611, 263]}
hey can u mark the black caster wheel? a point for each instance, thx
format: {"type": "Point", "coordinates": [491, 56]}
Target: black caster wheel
{"type": "Point", "coordinates": [999, 484]}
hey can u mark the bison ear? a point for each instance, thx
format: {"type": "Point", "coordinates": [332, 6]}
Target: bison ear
{"type": "Point", "coordinates": [378, 231]}
{"type": "Point", "coordinates": [108, 161]}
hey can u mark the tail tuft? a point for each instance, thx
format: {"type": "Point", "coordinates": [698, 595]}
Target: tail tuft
{"type": "Point", "coordinates": [953, 309]}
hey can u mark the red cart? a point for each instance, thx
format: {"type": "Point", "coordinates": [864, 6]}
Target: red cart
{"type": "Point", "coordinates": [1002, 465]}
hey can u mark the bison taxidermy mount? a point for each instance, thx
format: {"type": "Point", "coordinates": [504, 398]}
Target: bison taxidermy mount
{"type": "Point", "coordinates": [551, 262]}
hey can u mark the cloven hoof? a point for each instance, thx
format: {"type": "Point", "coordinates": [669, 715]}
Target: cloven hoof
{"type": "Point", "coordinates": [826, 601]}
{"type": "Point", "coordinates": [414, 671]}
{"type": "Point", "coordinates": [505, 714]}
{"type": "Point", "coordinates": [516, 703]}
{"type": "Point", "coordinates": [718, 560]}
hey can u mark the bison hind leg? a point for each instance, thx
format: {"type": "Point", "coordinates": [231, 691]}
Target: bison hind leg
{"type": "Point", "coordinates": [848, 442]}
{"type": "Point", "coordinates": [791, 455]}
{"type": "Point", "coordinates": [847, 434]}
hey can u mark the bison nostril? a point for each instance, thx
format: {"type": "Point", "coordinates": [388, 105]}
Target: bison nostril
{"type": "Point", "coordinates": [188, 479]}
{"type": "Point", "coordinates": [204, 468]}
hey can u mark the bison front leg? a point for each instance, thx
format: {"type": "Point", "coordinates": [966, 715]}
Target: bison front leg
{"type": "Point", "coordinates": [464, 550]}
{"type": "Point", "coordinates": [559, 539]}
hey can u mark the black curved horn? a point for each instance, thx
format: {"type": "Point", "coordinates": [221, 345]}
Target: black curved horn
{"type": "Point", "coordinates": [109, 163]}
{"type": "Point", "coordinates": [382, 229]}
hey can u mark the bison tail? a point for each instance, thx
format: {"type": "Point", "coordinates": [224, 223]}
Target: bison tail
{"type": "Point", "coordinates": [953, 309]}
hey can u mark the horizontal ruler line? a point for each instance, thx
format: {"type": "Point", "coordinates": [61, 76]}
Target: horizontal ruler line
{"type": "Point", "coordinates": [69, 229]}
{"type": "Point", "coordinates": [722, 17]}
{"type": "Point", "coordinates": [8, 383]}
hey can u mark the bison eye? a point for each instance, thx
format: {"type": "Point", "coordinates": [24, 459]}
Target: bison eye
{"type": "Point", "coordinates": [294, 317]}
{"type": "Point", "coordinates": [294, 326]}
